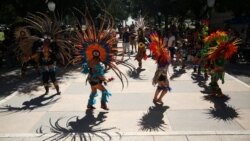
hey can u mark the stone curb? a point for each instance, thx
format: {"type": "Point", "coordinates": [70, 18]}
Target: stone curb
{"type": "Point", "coordinates": [171, 133]}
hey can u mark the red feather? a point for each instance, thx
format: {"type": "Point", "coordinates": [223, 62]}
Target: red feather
{"type": "Point", "coordinates": [159, 48]}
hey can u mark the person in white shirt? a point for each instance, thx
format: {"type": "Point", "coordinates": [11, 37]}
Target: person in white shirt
{"type": "Point", "coordinates": [171, 44]}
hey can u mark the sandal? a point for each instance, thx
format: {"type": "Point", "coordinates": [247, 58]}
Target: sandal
{"type": "Point", "coordinates": [160, 102]}
{"type": "Point", "coordinates": [90, 107]}
{"type": "Point", "coordinates": [104, 106]}
{"type": "Point", "coordinates": [155, 101]}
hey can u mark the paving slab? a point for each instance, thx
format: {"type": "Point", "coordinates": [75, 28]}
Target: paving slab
{"type": "Point", "coordinates": [186, 100]}
{"type": "Point", "coordinates": [170, 138]}
{"type": "Point", "coordinates": [231, 85]}
{"type": "Point", "coordinates": [29, 102]}
{"type": "Point", "coordinates": [188, 113]}
{"type": "Point", "coordinates": [77, 88]}
{"type": "Point", "coordinates": [243, 118]}
{"type": "Point", "coordinates": [130, 101]}
{"type": "Point", "coordinates": [11, 139]}
{"type": "Point", "coordinates": [238, 100]}
{"type": "Point", "coordinates": [138, 121]}
{"type": "Point", "coordinates": [21, 122]}
{"type": "Point", "coordinates": [235, 138]}
{"type": "Point", "coordinates": [73, 102]}
{"type": "Point", "coordinates": [198, 120]}
{"type": "Point", "coordinates": [204, 138]}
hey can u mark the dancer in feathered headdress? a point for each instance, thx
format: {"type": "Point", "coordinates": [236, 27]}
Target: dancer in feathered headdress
{"type": "Point", "coordinates": [24, 49]}
{"type": "Point", "coordinates": [202, 32]}
{"type": "Point", "coordinates": [162, 56]}
{"type": "Point", "coordinates": [141, 54]}
{"type": "Point", "coordinates": [45, 46]}
{"type": "Point", "coordinates": [218, 49]}
{"type": "Point", "coordinates": [96, 53]}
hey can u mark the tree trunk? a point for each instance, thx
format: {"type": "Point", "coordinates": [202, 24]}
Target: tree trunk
{"type": "Point", "coordinates": [166, 21]}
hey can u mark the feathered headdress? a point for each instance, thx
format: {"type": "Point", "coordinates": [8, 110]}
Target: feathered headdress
{"type": "Point", "coordinates": [93, 42]}
{"type": "Point", "coordinates": [21, 33]}
{"type": "Point", "coordinates": [23, 38]}
{"type": "Point", "coordinates": [159, 49]}
{"type": "Point", "coordinates": [47, 28]}
{"type": "Point", "coordinates": [219, 45]}
{"type": "Point", "coordinates": [140, 24]}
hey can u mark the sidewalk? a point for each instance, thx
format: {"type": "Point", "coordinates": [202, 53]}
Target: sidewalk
{"type": "Point", "coordinates": [240, 71]}
{"type": "Point", "coordinates": [187, 115]}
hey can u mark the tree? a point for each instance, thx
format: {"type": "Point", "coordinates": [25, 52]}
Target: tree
{"type": "Point", "coordinates": [239, 8]}
{"type": "Point", "coordinates": [118, 10]}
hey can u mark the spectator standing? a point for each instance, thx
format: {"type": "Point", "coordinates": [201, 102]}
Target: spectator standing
{"type": "Point", "coordinates": [171, 44]}
{"type": "Point", "coordinates": [2, 37]}
{"type": "Point", "coordinates": [126, 44]}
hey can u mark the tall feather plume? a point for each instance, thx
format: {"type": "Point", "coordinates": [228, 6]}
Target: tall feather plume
{"type": "Point", "coordinates": [102, 39]}
{"type": "Point", "coordinates": [44, 25]}
{"type": "Point", "coordinates": [218, 44]}
{"type": "Point", "coordinates": [159, 48]}
{"type": "Point", "coordinates": [140, 23]}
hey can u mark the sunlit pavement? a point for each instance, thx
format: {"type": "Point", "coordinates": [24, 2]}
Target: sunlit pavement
{"type": "Point", "coordinates": [188, 113]}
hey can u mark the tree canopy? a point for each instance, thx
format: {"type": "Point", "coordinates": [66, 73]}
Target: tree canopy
{"type": "Point", "coordinates": [10, 10]}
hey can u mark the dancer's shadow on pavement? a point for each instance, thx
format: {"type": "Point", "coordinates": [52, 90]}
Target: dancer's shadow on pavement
{"type": "Point", "coordinates": [221, 111]}
{"type": "Point", "coordinates": [201, 82]}
{"type": "Point", "coordinates": [12, 81]}
{"type": "Point", "coordinates": [199, 79]}
{"type": "Point", "coordinates": [177, 73]}
{"type": "Point", "coordinates": [80, 128]}
{"type": "Point", "coordinates": [31, 104]}
{"type": "Point", "coordinates": [135, 73]}
{"type": "Point", "coordinates": [153, 119]}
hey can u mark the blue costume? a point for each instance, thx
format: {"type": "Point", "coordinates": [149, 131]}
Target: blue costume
{"type": "Point", "coordinates": [94, 49]}
{"type": "Point", "coordinates": [94, 78]}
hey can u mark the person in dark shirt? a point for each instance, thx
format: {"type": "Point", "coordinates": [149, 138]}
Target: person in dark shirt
{"type": "Point", "coordinates": [47, 60]}
{"type": "Point", "coordinates": [141, 48]}
{"type": "Point", "coordinates": [126, 44]}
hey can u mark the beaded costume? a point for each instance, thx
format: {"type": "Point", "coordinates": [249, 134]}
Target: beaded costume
{"type": "Point", "coordinates": [45, 47]}
{"type": "Point", "coordinates": [162, 57]}
{"type": "Point", "coordinates": [96, 52]}
{"type": "Point", "coordinates": [141, 54]}
{"type": "Point", "coordinates": [217, 50]}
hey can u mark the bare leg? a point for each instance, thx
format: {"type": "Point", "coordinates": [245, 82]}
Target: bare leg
{"type": "Point", "coordinates": [105, 96]}
{"type": "Point", "coordinates": [46, 86]}
{"type": "Point", "coordinates": [139, 63]}
{"type": "Point", "coordinates": [100, 87]}
{"type": "Point", "coordinates": [57, 88]}
{"type": "Point", "coordinates": [92, 96]}
{"type": "Point", "coordinates": [163, 93]}
{"type": "Point", "coordinates": [157, 92]}
{"type": "Point", "coordinates": [23, 69]}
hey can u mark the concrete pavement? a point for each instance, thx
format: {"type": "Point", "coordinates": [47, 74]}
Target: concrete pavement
{"type": "Point", "coordinates": [240, 71]}
{"type": "Point", "coordinates": [188, 114]}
